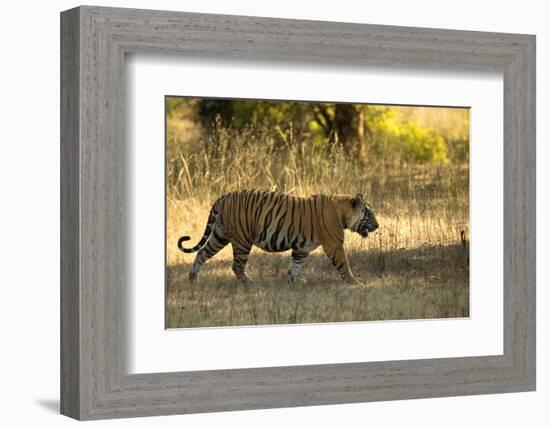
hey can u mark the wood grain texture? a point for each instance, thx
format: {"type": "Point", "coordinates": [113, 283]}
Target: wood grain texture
{"type": "Point", "coordinates": [94, 201]}
{"type": "Point", "coordinates": [70, 292]}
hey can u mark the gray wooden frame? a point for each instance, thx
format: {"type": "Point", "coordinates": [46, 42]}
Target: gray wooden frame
{"type": "Point", "coordinates": [94, 41]}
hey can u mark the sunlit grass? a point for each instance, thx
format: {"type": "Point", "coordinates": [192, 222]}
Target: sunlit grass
{"type": "Point", "coordinates": [427, 282]}
{"type": "Point", "coordinates": [416, 266]}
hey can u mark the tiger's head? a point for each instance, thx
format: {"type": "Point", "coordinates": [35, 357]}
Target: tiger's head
{"type": "Point", "coordinates": [361, 218]}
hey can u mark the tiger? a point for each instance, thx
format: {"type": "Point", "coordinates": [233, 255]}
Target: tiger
{"type": "Point", "coordinates": [277, 222]}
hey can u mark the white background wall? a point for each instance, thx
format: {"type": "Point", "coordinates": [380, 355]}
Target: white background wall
{"type": "Point", "coordinates": [29, 214]}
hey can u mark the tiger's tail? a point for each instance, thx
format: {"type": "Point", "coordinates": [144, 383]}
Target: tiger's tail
{"type": "Point", "coordinates": [206, 235]}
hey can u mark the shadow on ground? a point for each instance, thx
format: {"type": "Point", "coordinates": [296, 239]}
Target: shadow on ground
{"type": "Point", "coordinates": [52, 405]}
{"type": "Point", "coordinates": [424, 261]}
{"type": "Point", "coordinates": [418, 283]}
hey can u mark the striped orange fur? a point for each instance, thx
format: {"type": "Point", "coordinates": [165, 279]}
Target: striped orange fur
{"type": "Point", "coordinates": [278, 222]}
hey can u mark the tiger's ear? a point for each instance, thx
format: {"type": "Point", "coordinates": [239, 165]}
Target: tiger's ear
{"type": "Point", "coordinates": [357, 200]}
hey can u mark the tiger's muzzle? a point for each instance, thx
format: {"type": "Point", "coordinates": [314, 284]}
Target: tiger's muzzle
{"type": "Point", "coordinates": [365, 228]}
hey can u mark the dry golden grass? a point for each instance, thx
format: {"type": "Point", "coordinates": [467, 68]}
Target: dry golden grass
{"type": "Point", "coordinates": [416, 266]}
{"type": "Point", "coordinates": [421, 283]}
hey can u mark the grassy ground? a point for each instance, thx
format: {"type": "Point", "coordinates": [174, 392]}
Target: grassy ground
{"type": "Point", "coordinates": [421, 283]}
{"type": "Point", "coordinates": [416, 266]}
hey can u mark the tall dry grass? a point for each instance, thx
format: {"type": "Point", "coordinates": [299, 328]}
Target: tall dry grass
{"type": "Point", "coordinates": [415, 266]}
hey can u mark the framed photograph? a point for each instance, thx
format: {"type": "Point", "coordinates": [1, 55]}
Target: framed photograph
{"type": "Point", "coordinates": [261, 213]}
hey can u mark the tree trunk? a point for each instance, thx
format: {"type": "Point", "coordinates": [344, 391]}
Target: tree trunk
{"type": "Point", "coordinates": [361, 136]}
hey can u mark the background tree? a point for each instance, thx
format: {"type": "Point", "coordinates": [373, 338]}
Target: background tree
{"type": "Point", "coordinates": [363, 133]}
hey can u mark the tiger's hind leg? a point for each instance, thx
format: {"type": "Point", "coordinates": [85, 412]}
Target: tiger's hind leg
{"type": "Point", "coordinates": [296, 260]}
{"type": "Point", "coordinates": [240, 258]}
{"type": "Point", "coordinates": [216, 243]}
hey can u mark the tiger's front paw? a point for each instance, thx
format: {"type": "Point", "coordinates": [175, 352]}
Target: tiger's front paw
{"type": "Point", "coordinates": [293, 278]}
{"type": "Point", "coordinates": [353, 281]}
{"type": "Point", "coordinates": [244, 279]}
{"type": "Point", "coordinates": [298, 281]}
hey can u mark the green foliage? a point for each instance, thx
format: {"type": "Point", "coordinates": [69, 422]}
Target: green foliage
{"type": "Point", "coordinates": [403, 141]}
{"type": "Point", "coordinates": [175, 105]}
{"type": "Point", "coordinates": [364, 133]}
